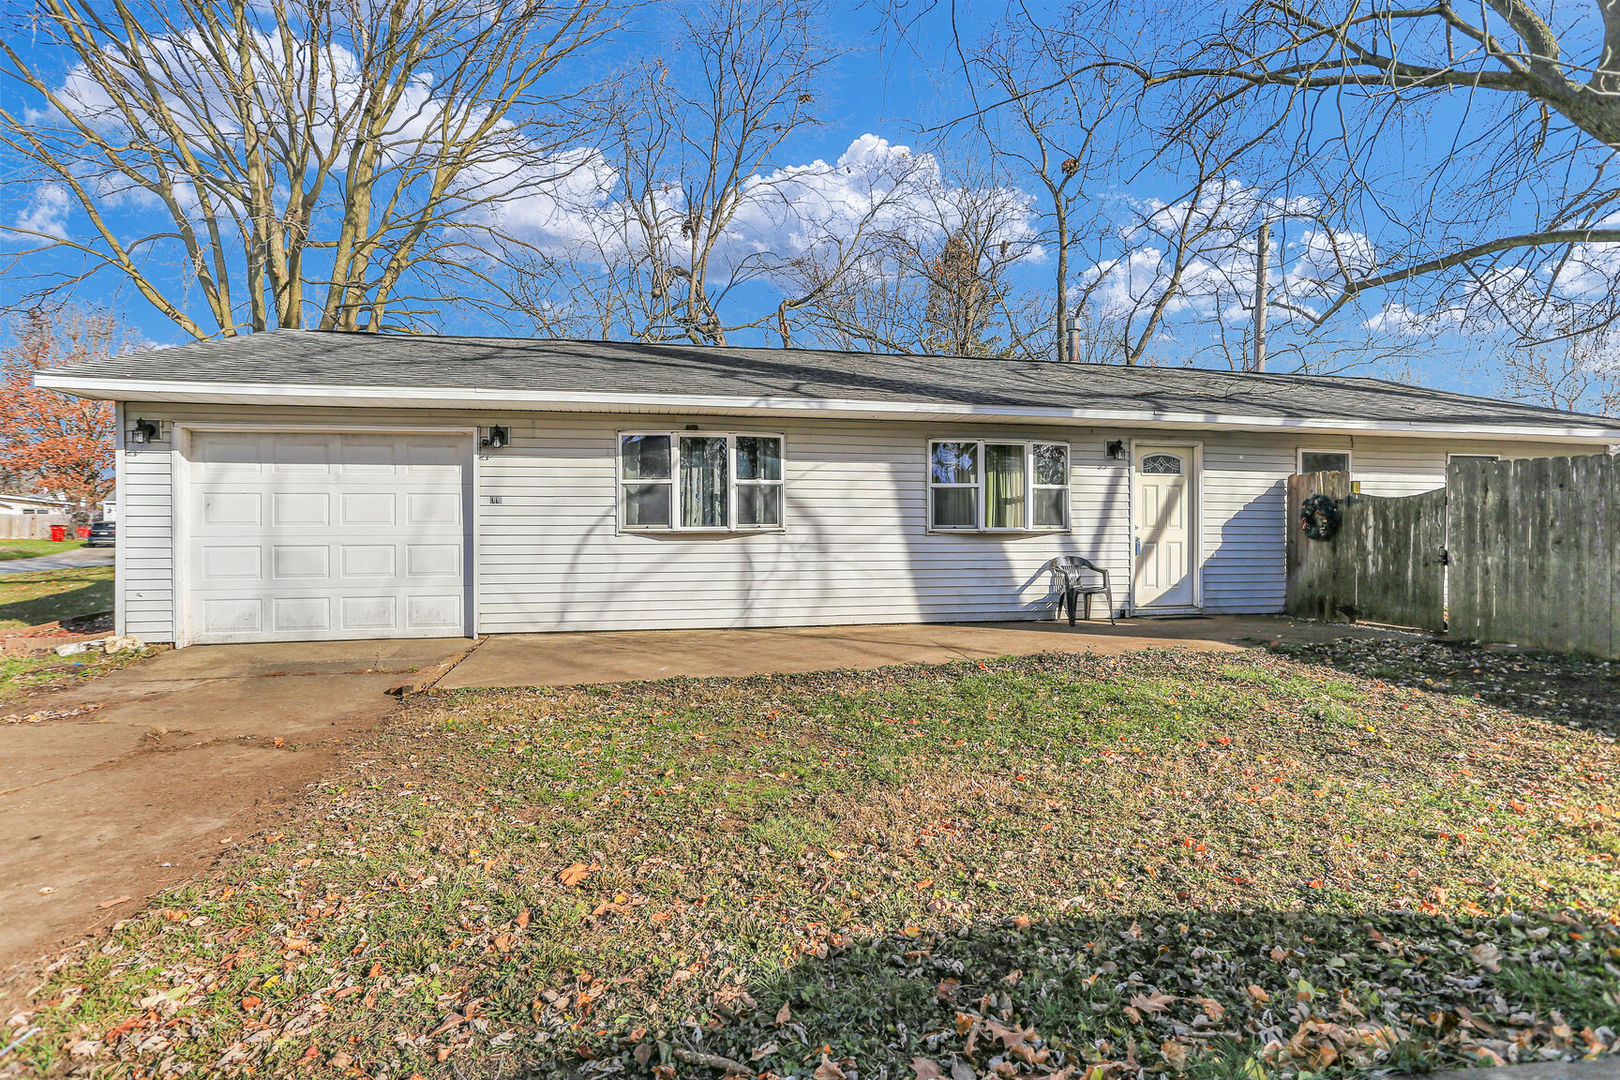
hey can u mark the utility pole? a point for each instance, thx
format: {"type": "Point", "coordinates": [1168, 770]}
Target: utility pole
{"type": "Point", "coordinates": [1261, 270]}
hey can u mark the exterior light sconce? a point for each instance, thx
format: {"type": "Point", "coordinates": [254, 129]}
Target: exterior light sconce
{"type": "Point", "coordinates": [144, 431]}
{"type": "Point", "coordinates": [496, 438]}
{"type": "Point", "coordinates": [1116, 449]}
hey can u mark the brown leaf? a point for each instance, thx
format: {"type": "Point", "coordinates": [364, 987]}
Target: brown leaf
{"type": "Point", "coordinates": [765, 1051]}
{"type": "Point", "coordinates": [927, 1070]}
{"type": "Point", "coordinates": [114, 902]}
{"type": "Point", "coordinates": [1259, 995]}
{"type": "Point", "coordinates": [1175, 1053]}
{"type": "Point", "coordinates": [1153, 1002]}
{"type": "Point", "coordinates": [1010, 1037]}
{"type": "Point", "coordinates": [577, 873]}
{"type": "Point", "coordinates": [783, 1015]}
{"type": "Point", "coordinates": [1212, 1008]}
{"type": "Point", "coordinates": [828, 1070]}
{"type": "Point", "coordinates": [523, 919]}
{"type": "Point", "coordinates": [947, 988]}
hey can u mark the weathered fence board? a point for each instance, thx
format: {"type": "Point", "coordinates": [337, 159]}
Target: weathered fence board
{"type": "Point", "coordinates": [1385, 564]}
{"type": "Point", "coordinates": [28, 526]}
{"type": "Point", "coordinates": [1535, 551]}
{"type": "Point", "coordinates": [1533, 547]}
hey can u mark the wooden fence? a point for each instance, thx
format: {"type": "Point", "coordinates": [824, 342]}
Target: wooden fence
{"type": "Point", "coordinates": [1385, 564]}
{"type": "Point", "coordinates": [1524, 551]}
{"type": "Point", "coordinates": [28, 526]}
{"type": "Point", "coordinates": [1535, 552]}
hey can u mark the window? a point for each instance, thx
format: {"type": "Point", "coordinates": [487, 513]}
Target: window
{"type": "Point", "coordinates": [1161, 465]}
{"type": "Point", "coordinates": [998, 487]}
{"type": "Point", "coordinates": [1314, 461]}
{"type": "Point", "coordinates": [700, 482]}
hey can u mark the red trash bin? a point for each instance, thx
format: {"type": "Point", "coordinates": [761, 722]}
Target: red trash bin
{"type": "Point", "coordinates": [58, 533]}
{"type": "Point", "coordinates": [84, 532]}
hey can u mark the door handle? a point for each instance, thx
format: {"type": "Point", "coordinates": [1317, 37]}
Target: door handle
{"type": "Point", "coordinates": [1139, 545]}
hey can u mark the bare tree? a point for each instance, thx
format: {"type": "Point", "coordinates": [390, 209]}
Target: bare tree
{"type": "Point", "coordinates": [1061, 135]}
{"type": "Point", "coordinates": [938, 282]}
{"type": "Point", "coordinates": [1462, 154]}
{"type": "Point", "coordinates": [246, 165]}
{"type": "Point", "coordinates": [691, 142]}
{"type": "Point", "coordinates": [1576, 373]}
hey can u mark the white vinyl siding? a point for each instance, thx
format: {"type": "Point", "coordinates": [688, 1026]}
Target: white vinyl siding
{"type": "Point", "coordinates": [856, 549]}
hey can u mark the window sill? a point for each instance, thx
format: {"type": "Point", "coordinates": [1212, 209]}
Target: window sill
{"type": "Point", "coordinates": [932, 531]}
{"type": "Point", "coordinates": [773, 530]}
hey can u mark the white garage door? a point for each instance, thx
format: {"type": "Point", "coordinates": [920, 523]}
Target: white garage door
{"type": "Point", "coordinates": [298, 536]}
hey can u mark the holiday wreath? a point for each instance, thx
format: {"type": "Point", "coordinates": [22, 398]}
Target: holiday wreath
{"type": "Point", "coordinates": [1319, 517]}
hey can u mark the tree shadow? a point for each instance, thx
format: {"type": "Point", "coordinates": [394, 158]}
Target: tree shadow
{"type": "Point", "coordinates": [89, 598]}
{"type": "Point", "coordinates": [1576, 691]}
{"type": "Point", "coordinates": [1180, 992]}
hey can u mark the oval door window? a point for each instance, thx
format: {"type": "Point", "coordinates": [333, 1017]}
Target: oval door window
{"type": "Point", "coordinates": [1162, 464]}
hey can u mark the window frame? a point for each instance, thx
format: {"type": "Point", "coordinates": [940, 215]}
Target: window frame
{"type": "Point", "coordinates": [1345, 451]}
{"type": "Point", "coordinates": [675, 435]}
{"type": "Point", "coordinates": [978, 487]}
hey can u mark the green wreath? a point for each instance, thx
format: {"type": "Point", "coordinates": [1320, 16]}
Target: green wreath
{"type": "Point", "coordinates": [1319, 517]}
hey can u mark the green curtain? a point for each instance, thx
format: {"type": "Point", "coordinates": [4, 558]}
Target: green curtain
{"type": "Point", "coordinates": [1004, 487]}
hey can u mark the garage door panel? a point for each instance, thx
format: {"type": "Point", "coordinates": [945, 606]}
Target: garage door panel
{"type": "Point", "coordinates": [231, 508]}
{"type": "Point", "coordinates": [433, 560]}
{"type": "Point", "coordinates": [234, 562]}
{"type": "Point", "coordinates": [433, 508]}
{"type": "Point", "coordinates": [367, 508]}
{"type": "Point", "coordinates": [300, 508]}
{"type": "Point", "coordinates": [369, 561]}
{"type": "Point", "coordinates": [292, 561]}
{"type": "Point", "coordinates": [433, 612]}
{"type": "Point", "coordinates": [369, 612]}
{"type": "Point", "coordinates": [302, 614]}
{"type": "Point", "coordinates": [309, 536]}
{"type": "Point", "coordinates": [231, 616]}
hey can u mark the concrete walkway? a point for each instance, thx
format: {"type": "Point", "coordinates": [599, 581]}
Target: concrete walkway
{"type": "Point", "coordinates": [619, 656]}
{"type": "Point", "coordinates": [71, 559]}
{"type": "Point", "coordinates": [117, 787]}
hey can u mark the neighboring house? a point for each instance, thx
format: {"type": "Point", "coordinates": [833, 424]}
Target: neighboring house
{"type": "Point", "coordinates": [302, 485]}
{"type": "Point", "coordinates": [32, 505]}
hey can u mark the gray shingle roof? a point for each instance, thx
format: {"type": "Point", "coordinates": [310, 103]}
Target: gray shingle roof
{"type": "Point", "coordinates": [314, 358]}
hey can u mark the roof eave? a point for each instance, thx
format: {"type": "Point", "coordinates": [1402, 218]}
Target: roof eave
{"type": "Point", "coordinates": [223, 393]}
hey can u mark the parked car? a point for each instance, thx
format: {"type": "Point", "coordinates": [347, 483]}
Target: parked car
{"type": "Point", "coordinates": [102, 533]}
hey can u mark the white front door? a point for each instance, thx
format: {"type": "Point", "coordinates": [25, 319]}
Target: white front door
{"type": "Point", "coordinates": [307, 535]}
{"type": "Point", "coordinates": [1166, 520]}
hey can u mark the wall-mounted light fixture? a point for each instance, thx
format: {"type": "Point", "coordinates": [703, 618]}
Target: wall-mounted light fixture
{"type": "Point", "coordinates": [144, 431]}
{"type": "Point", "coordinates": [496, 438]}
{"type": "Point", "coordinates": [1116, 449]}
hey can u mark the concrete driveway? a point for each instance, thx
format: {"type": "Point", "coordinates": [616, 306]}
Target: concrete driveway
{"type": "Point", "coordinates": [571, 659]}
{"type": "Point", "coordinates": [118, 787]}
{"type": "Point", "coordinates": [71, 559]}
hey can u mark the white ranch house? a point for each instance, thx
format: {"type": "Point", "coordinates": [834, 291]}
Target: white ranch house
{"type": "Point", "coordinates": [299, 485]}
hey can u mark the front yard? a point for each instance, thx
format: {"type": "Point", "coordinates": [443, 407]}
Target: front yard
{"type": "Point", "coordinates": [1217, 865]}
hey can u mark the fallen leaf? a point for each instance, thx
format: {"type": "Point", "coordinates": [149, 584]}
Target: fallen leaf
{"type": "Point", "coordinates": [577, 873]}
{"type": "Point", "coordinates": [828, 1070]}
{"type": "Point", "coordinates": [783, 1015]}
{"type": "Point", "coordinates": [1154, 1002]}
{"type": "Point", "coordinates": [765, 1051]}
{"type": "Point", "coordinates": [1175, 1053]}
{"type": "Point", "coordinates": [1487, 956]}
{"type": "Point", "coordinates": [114, 902]}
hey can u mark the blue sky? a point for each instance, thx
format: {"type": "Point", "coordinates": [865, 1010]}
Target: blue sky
{"type": "Point", "coordinates": [898, 88]}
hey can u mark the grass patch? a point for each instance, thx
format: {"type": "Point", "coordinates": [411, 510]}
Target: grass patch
{"type": "Point", "coordinates": [49, 595]}
{"type": "Point", "coordinates": [29, 549]}
{"type": "Point", "coordinates": [1178, 863]}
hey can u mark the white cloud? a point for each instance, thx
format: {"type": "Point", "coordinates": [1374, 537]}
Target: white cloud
{"type": "Point", "coordinates": [45, 218]}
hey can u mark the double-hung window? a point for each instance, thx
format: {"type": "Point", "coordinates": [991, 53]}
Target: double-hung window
{"type": "Point", "coordinates": [984, 486]}
{"type": "Point", "coordinates": [699, 482]}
